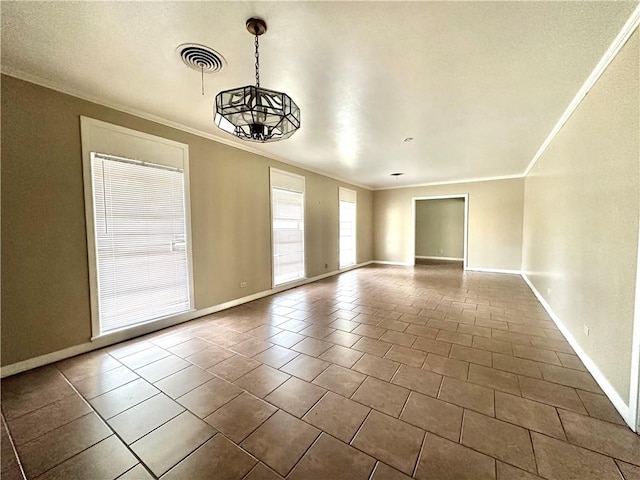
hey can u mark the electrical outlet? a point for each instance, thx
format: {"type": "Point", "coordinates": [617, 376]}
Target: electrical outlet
{"type": "Point", "coordinates": [326, 265]}
{"type": "Point", "coordinates": [586, 330]}
{"type": "Point", "coordinates": [548, 290]}
{"type": "Point", "coordinates": [243, 284]}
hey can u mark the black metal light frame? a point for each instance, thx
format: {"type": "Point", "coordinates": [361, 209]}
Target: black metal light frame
{"type": "Point", "coordinates": [254, 113]}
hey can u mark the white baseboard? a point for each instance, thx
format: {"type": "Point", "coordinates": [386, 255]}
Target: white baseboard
{"type": "Point", "coordinates": [401, 264]}
{"type": "Point", "coordinates": [128, 334]}
{"type": "Point", "coordinates": [614, 396]}
{"type": "Point", "coordinates": [428, 257]}
{"type": "Point", "coordinates": [494, 270]}
{"type": "Point", "coordinates": [473, 269]}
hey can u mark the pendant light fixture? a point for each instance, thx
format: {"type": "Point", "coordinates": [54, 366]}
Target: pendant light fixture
{"type": "Point", "coordinates": [255, 113]}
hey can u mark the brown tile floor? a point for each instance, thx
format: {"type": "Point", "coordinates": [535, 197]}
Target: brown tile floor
{"type": "Point", "coordinates": [379, 373]}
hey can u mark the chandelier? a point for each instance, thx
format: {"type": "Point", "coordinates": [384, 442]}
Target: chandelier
{"type": "Point", "coordinates": [253, 113]}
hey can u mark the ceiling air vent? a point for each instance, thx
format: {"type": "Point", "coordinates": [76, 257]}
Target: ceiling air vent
{"type": "Point", "coordinates": [201, 58]}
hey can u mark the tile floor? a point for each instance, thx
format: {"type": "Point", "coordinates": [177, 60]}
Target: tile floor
{"type": "Point", "coordinates": [379, 373]}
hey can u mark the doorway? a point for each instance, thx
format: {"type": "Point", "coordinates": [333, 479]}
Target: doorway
{"type": "Point", "coordinates": [440, 226]}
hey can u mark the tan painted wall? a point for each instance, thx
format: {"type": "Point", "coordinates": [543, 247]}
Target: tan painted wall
{"type": "Point", "coordinates": [440, 228]}
{"type": "Point", "coordinates": [495, 222]}
{"type": "Point", "coordinates": [581, 219]}
{"type": "Point", "coordinates": [45, 286]}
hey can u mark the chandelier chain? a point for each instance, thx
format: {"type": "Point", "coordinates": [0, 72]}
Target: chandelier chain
{"type": "Point", "coordinates": [257, 55]}
{"type": "Point", "coordinates": [253, 113]}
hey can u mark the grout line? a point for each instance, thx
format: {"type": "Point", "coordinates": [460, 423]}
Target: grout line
{"type": "Point", "coordinates": [585, 406]}
{"type": "Point", "coordinates": [404, 405]}
{"type": "Point", "coordinates": [104, 421]}
{"type": "Point", "coordinates": [567, 441]}
{"type": "Point", "coordinates": [403, 408]}
{"type": "Point", "coordinates": [13, 446]}
{"type": "Point", "coordinates": [375, 467]}
{"type": "Point", "coordinates": [440, 386]}
{"type": "Point", "coordinates": [317, 401]}
{"type": "Point", "coordinates": [371, 410]}
{"type": "Point", "coordinates": [360, 386]}
{"type": "Point", "coordinates": [564, 431]}
{"type": "Point", "coordinates": [255, 467]}
{"type": "Point", "coordinates": [464, 413]}
{"type": "Point", "coordinates": [37, 409]}
{"type": "Point", "coordinates": [190, 454]}
{"type": "Point", "coordinates": [395, 372]}
{"type": "Point", "coordinates": [620, 470]}
{"type": "Point", "coordinates": [535, 459]}
{"type": "Point", "coordinates": [493, 398]}
{"type": "Point", "coordinates": [579, 446]}
{"type": "Point", "coordinates": [306, 451]}
{"type": "Point", "coordinates": [424, 441]}
{"type": "Point", "coordinates": [124, 473]}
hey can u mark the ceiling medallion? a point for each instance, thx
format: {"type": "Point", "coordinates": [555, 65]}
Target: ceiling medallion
{"type": "Point", "coordinates": [255, 113]}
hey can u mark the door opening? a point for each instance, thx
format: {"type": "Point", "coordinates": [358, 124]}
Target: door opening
{"type": "Point", "coordinates": [440, 230]}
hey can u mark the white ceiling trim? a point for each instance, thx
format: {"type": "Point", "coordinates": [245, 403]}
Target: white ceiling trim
{"type": "Point", "coordinates": [471, 180]}
{"type": "Point", "coordinates": [625, 33]}
{"type": "Point", "coordinates": [613, 49]}
{"type": "Point", "coordinates": [627, 30]}
{"type": "Point", "coordinates": [621, 39]}
{"type": "Point", "coordinates": [27, 77]}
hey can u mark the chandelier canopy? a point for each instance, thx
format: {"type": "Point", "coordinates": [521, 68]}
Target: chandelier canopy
{"type": "Point", "coordinates": [254, 113]}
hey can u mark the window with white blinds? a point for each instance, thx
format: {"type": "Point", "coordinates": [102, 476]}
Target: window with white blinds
{"type": "Point", "coordinates": [287, 218]}
{"type": "Point", "coordinates": [347, 227]}
{"type": "Point", "coordinates": [140, 226]}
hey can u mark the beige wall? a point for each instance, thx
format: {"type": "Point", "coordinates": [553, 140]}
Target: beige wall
{"type": "Point", "coordinates": [495, 222]}
{"type": "Point", "coordinates": [581, 219]}
{"type": "Point", "coordinates": [45, 286]}
{"type": "Point", "coordinates": [440, 228]}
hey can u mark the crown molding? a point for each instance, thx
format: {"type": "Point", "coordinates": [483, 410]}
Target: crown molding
{"type": "Point", "coordinates": [627, 30]}
{"type": "Point", "coordinates": [453, 182]}
{"type": "Point", "coordinates": [623, 36]}
{"type": "Point", "coordinates": [621, 39]}
{"type": "Point", "coordinates": [27, 77]}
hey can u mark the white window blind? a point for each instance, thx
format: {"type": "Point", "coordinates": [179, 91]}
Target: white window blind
{"type": "Point", "coordinates": [287, 215]}
{"type": "Point", "coordinates": [141, 241]}
{"type": "Point", "coordinates": [347, 227]}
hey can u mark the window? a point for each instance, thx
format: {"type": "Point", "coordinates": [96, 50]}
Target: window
{"type": "Point", "coordinates": [139, 236]}
{"type": "Point", "coordinates": [287, 218]}
{"type": "Point", "coordinates": [347, 227]}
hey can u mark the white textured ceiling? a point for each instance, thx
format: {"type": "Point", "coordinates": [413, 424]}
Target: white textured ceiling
{"type": "Point", "coordinates": [479, 85]}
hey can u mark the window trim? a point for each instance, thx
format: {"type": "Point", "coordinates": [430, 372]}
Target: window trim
{"type": "Point", "coordinates": [354, 193]}
{"type": "Point", "coordinates": [131, 144]}
{"type": "Point", "coordinates": [273, 170]}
